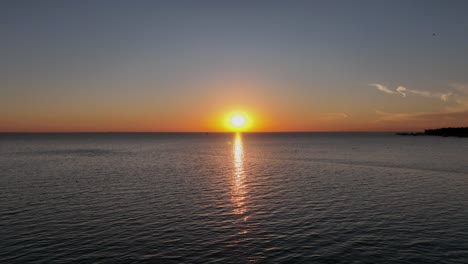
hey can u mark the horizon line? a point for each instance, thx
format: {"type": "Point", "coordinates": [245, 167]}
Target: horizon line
{"type": "Point", "coordinates": [199, 132]}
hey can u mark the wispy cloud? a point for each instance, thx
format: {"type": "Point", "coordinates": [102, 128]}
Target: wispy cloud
{"type": "Point", "coordinates": [397, 117]}
{"type": "Point", "coordinates": [461, 89]}
{"type": "Point", "coordinates": [332, 116]}
{"type": "Point", "coordinates": [445, 97]}
{"type": "Point", "coordinates": [454, 113]}
{"type": "Point", "coordinates": [382, 88]}
{"type": "Point", "coordinates": [403, 91]}
{"type": "Point", "coordinates": [442, 96]}
{"type": "Point", "coordinates": [460, 116]}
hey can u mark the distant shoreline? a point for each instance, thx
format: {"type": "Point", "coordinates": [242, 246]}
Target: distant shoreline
{"type": "Point", "coordinates": [443, 132]}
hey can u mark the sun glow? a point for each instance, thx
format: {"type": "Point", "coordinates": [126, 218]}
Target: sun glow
{"type": "Point", "coordinates": [238, 122]}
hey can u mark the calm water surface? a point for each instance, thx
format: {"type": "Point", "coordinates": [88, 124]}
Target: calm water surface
{"type": "Point", "coordinates": [224, 198]}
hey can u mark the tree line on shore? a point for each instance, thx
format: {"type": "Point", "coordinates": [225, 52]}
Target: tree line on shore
{"type": "Point", "coordinates": [444, 132]}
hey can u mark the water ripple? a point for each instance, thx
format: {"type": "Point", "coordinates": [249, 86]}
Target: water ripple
{"type": "Point", "coordinates": [232, 199]}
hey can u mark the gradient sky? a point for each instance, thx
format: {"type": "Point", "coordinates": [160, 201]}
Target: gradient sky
{"type": "Point", "coordinates": [183, 65]}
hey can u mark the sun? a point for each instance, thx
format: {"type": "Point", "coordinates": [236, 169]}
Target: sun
{"type": "Point", "coordinates": [238, 121]}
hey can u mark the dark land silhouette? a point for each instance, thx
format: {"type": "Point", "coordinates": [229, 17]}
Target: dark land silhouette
{"type": "Point", "coordinates": [444, 132]}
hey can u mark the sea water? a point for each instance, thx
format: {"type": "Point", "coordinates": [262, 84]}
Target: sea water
{"type": "Point", "coordinates": [233, 198]}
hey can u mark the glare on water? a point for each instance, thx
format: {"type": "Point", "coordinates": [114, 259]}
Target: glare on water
{"type": "Point", "coordinates": [238, 184]}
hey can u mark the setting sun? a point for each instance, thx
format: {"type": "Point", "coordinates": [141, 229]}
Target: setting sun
{"type": "Point", "coordinates": [238, 121]}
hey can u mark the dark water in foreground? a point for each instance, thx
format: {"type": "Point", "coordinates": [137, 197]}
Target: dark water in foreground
{"type": "Point", "coordinates": [260, 198]}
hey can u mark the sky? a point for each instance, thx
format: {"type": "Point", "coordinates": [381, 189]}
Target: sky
{"type": "Point", "coordinates": [124, 66]}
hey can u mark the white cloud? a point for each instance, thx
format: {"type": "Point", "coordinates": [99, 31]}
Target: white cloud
{"type": "Point", "coordinates": [404, 91]}
{"type": "Point", "coordinates": [401, 90]}
{"type": "Point", "coordinates": [445, 97]}
{"type": "Point", "coordinates": [442, 96]}
{"type": "Point", "coordinates": [382, 88]}
{"type": "Point", "coordinates": [454, 113]}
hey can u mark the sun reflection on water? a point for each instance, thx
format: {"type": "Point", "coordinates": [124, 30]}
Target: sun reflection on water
{"type": "Point", "coordinates": [238, 189]}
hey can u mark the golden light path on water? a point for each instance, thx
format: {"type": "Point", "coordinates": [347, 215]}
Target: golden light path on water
{"type": "Point", "coordinates": [238, 185]}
